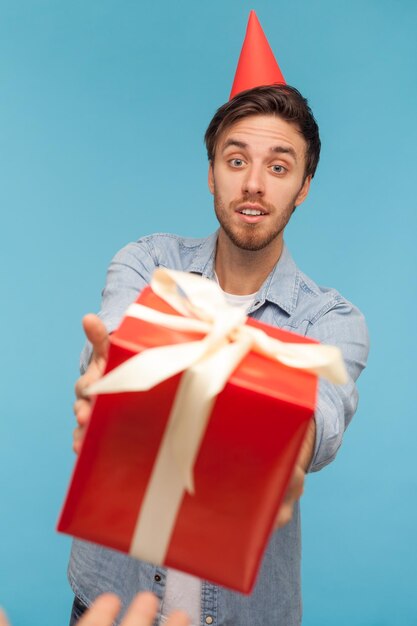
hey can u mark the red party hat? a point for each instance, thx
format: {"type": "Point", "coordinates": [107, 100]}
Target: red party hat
{"type": "Point", "coordinates": [257, 65]}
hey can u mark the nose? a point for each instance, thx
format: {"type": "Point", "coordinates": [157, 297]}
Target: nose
{"type": "Point", "coordinates": [253, 182]}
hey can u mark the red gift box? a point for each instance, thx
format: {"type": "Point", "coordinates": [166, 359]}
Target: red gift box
{"type": "Point", "coordinates": [243, 466]}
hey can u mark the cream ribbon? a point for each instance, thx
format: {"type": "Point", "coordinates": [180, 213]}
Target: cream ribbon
{"type": "Point", "coordinates": [207, 365]}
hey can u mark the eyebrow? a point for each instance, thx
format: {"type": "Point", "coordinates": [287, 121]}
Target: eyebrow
{"type": "Point", "coordinates": [285, 150]}
{"type": "Point", "coordinates": [275, 149]}
{"type": "Point", "coordinates": [235, 143]}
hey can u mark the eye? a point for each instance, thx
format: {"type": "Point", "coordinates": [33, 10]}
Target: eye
{"type": "Point", "coordinates": [237, 162]}
{"type": "Point", "coordinates": [278, 169]}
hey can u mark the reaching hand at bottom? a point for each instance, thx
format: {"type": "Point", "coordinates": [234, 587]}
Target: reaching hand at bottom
{"type": "Point", "coordinates": [141, 612]}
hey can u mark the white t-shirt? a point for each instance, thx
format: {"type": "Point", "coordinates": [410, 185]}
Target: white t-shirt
{"type": "Point", "coordinates": [183, 591]}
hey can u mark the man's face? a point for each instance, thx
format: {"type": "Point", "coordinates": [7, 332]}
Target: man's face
{"type": "Point", "coordinates": [257, 179]}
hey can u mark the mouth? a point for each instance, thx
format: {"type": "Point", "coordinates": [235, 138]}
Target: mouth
{"type": "Point", "coordinates": [251, 213]}
{"type": "Point", "coordinates": [251, 209]}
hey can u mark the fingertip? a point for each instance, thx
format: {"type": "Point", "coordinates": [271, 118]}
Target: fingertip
{"type": "Point", "coordinates": [106, 604]}
{"type": "Point", "coordinates": [146, 602]}
{"type": "Point", "coordinates": [89, 318]}
{"type": "Point", "coordinates": [179, 618]}
{"type": "Point", "coordinates": [96, 331]}
{"type": "Point", "coordinates": [91, 324]}
{"type": "Point", "coordinates": [144, 606]}
{"type": "Point", "coordinates": [87, 323]}
{"type": "Point", "coordinates": [76, 446]}
{"type": "Point", "coordinates": [109, 597]}
{"type": "Point", "coordinates": [147, 596]}
{"type": "Point", "coordinates": [83, 412]}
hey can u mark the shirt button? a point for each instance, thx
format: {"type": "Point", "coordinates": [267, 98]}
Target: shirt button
{"type": "Point", "coordinates": [209, 619]}
{"type": "Point", "coordinates": [158, 579]}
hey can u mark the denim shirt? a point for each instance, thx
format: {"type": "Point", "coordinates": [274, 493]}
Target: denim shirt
{"type": "Point", "coordinates": [290, 300]}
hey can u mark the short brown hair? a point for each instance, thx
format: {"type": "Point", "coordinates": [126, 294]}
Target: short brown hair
{"type": "Point", "coordinates": [282, 100]}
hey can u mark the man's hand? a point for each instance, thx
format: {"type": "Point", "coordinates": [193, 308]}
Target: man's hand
{"type": "Point", "coordinates": [98, 336]}
{"type": "Point", "coordinates": [141, 612]}
{"type": "Point", "coordinates": [294, 492]}
{"type": "Point", "coordinates": [296, 487]}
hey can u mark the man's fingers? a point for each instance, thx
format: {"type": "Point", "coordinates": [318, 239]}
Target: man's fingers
{"type": "Point", "coordinates": [102, 612]}
{"type": "Point", "coordinates": [77, 438]}
{"type": "Point", "coordinates": [93, 373]}
{"type": "Point", "coordinates": [178, 618]}
{"type": "Point", "coordinates": [307, 449]}
{"type": "Point", "coordinates": [82, 410]}
{"type": "Point", "coordinates": [294, 492]}
{"type": "Point", "coordinates": [97, 335]}
{"type": "Point", "coordinates": [284, 516]}
{"type": "Point", "coordinates": [296, 487]}
{"type": "Point", "coordinates": [142, 611]}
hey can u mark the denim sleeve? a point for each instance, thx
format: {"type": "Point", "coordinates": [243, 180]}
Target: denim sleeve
{"type": "Point", "coordinates": [343, 326]}
{"type": "Point", "coordinates": [128, 273]}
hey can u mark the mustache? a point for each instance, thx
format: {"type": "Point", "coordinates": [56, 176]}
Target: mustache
{"type": "Point", "coordinates": [235, 204]}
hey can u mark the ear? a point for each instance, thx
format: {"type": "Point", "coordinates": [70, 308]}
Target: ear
{"type": "Point", "coordinates": [303, 193]}
{"type": "Point", "coordinates": [211, 177]}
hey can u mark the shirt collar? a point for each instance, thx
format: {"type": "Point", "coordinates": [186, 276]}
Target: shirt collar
{"type": "Point", "coordinates": [281, 286]}
{"type": "Point", "coordinates": [203, 260]}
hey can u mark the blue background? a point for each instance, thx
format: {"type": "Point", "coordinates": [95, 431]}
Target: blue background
{"type": "Point", "coordinates": [103, 106]}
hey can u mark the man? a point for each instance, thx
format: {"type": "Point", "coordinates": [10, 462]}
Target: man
{"type": "Point", "coordinates": [263, 148]}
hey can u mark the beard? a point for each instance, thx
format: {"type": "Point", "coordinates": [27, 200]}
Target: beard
{"type": "Point", "coordinates": [252, 237]}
